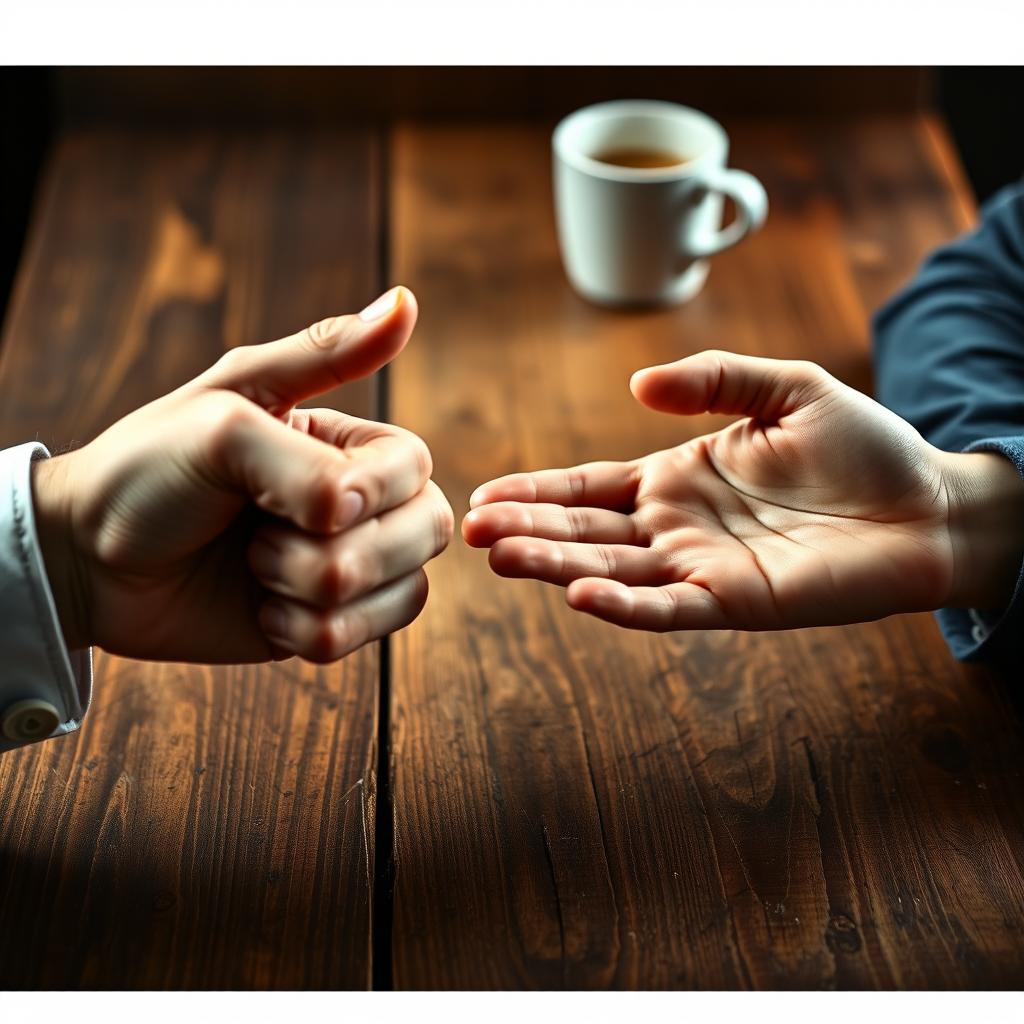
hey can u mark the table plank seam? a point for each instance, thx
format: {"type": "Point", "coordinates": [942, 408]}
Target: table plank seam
{"type": "Point", "coordinates": [382, 889]}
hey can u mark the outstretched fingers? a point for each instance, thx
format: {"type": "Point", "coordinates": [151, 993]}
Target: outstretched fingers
{"type": "Point", "coordinates": [609, 485]}
{"type": "Point", "coordinates": [674, 606]}
{"type": "Point", "coordinates": [487, 524]}
{"type": "Point", "coordinates": [561, 562]}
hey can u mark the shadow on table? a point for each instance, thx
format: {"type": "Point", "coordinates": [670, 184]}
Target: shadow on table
{"type": "Point", "coordinates": [92, 922]}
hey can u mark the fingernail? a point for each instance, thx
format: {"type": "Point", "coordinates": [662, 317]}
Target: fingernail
{"type": "Point", "coordinates": [274, 621]}
{"type": "Point", "coordinates": [350, 508]}
{"type": "Point", "coordinates": [380, 307]}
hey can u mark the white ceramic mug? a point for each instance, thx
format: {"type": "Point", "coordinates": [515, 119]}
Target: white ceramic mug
{"type": "Point", "coordinates": [642, 236]}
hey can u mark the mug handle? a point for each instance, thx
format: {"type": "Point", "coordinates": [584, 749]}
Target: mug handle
{"type": "Point", "coordinates": [751, 210]}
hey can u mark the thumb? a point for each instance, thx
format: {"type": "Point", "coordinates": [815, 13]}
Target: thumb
{"type": "Point", "coordinates": [725, 382]}
{"type": "Point", "coordinates": [279, 374]}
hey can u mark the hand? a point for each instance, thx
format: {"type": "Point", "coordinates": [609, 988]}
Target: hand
{"type": "Point", "coordinates": [221, 524]}
{"type": "Point", "coordinates": [817, 507]}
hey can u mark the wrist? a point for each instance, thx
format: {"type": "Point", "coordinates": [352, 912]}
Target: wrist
{"type": "Point", "coordinates": [986, 528]}
{"type": "Point", "coordinates": [52, 504]}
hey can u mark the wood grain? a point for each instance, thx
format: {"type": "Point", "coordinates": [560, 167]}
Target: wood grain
{"type": "Point", "coordinates": [578, 806]}
{"type": "Point", "coordinates": [207, 828]}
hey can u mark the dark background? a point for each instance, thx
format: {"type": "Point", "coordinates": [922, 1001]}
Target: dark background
{"type": "Point", "coordinates": [983, 106]}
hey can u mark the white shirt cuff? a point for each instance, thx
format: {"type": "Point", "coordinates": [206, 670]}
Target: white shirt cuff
{"type": "Point", "coordinates": [45, 689]}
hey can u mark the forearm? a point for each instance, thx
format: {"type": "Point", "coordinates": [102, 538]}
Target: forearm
{"type": "Point", "coordinates": [986, 528]}
{"type": "Point", "coordinates": [52, 501]}
{"type": "Point", "coordinates": [949, 358]}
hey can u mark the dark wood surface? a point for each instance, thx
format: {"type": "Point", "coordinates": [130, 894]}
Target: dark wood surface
{"type": "Point", "coordinates": [228, 95]}
{"type": "Point", "coordinates": [209, 827]}
{"type": "Point", "coordinates": [565, 804]}
{"type": "Point", "coordinates": [580, 806]}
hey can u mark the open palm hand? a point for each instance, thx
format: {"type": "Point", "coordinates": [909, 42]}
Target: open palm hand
{"type": "Point", "coordinates": [818, 506]}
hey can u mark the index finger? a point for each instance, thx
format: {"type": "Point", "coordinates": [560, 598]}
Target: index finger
{"type": "Point", "coordinates": [609, 485]}
{"type": "Point", "coordinates": [386, 464]}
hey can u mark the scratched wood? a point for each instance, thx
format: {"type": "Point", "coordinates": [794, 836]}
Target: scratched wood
{"type": "Point", "coordinates": [580, 806]}
{"type": "Point", "coordinates": [208, 827]}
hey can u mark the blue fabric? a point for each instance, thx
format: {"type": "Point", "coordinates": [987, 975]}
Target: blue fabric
{"type": "Point", "coordinates": [949, 357]}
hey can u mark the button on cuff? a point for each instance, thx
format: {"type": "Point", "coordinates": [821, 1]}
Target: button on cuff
{"type": "Point", "coordinates": [29, 720]}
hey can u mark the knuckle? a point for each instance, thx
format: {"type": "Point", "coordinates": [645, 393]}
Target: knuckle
{"type": "Point", "coordinates": [351, 631]}
{"type": "Point", "coordinates": [225, 416]}
{"type": "Point", "coordinates": [576, 482]}
{"type": "Point", "coordinates": [419, 452]}
{"type": "Point", "coordinates": [324, 643]}
{"type": "Point", "coordinates": [715, 359]}
{"type": "Point", "coordinates": [444, 524]}
{"type": "Point", "coordinates": [322, 500]}
{"type": "Point", "coordinates": [577, 525]}
{"type": "Point", "coordinates": [111, 545]}
{"type": "Point", "coordinates": [419, 588]}
{"type": "Point", "coordinates": [608, 560]}
{"type": "Point", "coordinates": [811, 379]}
{"type": "Point", "coordinates": [716, 355]}
{"type": "Point", "coordinates": [234, 361]}
{"type": "Point", "coordinates": [359, 630]}
{"type": "Point", "coordinates": [373, 489]}
{"type": "Point", "coordinates": [809, 370]}
{"type": "Point", "coordinates": [333, 584]}
{"type": "Point", "coordinates": [424, 460]}
{"type": "Point", "coordinates": [359, 571]}
{"type": "Point", "coordinates": [556, 559]}
{"type": "Point", "coordinates": [238, 370]}
{"type": "Point", "coordinates": [324, 333]}
{"type": "Point", "coordinates": [667, 612]}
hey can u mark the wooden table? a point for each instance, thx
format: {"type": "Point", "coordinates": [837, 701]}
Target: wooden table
{"type": "Point", "coordinates": [507, 794]}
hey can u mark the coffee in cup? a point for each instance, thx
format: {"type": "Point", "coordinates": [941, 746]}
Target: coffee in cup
{"type": "Point", "coordinates": [639, 187]}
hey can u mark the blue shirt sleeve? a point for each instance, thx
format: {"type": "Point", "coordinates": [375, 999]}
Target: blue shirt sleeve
{"type": "Point", "coordinates": [949, 358]}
